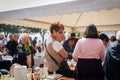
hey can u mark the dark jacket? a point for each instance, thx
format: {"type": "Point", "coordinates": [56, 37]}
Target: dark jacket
{"type": "Point", "coordinates": [12, 47]}
{"type": "Point", "coordinates": [22, 53]}
{"type": "Point", "coordinates": [112, 62]}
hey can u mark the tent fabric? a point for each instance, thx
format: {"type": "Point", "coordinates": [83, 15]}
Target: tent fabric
{"type": "Point", "coordinates": [75, 15]}
{"type": "Point", "coordinates": [105, 20]}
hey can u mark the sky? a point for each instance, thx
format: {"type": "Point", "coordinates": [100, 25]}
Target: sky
{"type": "Point", "coordinates": [7, 5]}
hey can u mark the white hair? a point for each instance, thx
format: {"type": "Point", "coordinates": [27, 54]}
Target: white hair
{"type": "Point", "coordinates": [118, 35]}
{"type": "Point", "coordinates": [24, 35]}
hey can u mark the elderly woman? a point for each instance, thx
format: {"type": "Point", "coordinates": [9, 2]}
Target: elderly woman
{"type": "Point", "coordinates": [112, 60]}
{"type": "Point", "coordinates": [89, 54]}
{"type": "Point", "coordinates": [55, 53]}
{"type": "Point", "coordinates": [25, 51]}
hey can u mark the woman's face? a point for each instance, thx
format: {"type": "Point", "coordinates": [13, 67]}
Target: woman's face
{"type": "Point", "coordinates": [25, 40]}
{"type": "Point", "coordinates": [59, 35]}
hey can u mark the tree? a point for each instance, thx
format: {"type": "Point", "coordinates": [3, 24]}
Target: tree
{"type": "Point", "coordinates": [18, 29]}
{"type": "Point", "coordinates": [6, 29]}
{"type": "Point", "coordinates": [33, 30]}
{"type": "Point", "coordinates": [37, 30]}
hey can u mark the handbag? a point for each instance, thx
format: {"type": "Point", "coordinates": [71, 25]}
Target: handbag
{"type": "Point", "coordinates": [64, 68]}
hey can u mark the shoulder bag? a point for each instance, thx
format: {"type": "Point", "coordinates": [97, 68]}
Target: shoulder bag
{"type": "Point", "coordinates": [64, 69]}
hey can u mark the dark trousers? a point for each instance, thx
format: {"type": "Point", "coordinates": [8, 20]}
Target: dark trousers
{"type": "Point", "coordinates": [113, 71]}
{"type": "Point", "coordinates": [5, 64]}
{"type": "Point", "coordinates": [89, 69]}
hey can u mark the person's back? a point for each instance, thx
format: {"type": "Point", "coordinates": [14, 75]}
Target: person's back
{"type": "Point", "coordinates": [74, 36]}
{"type": "Point", "coordinates": [70, 46]}
{"type": "Point", "coordinates": [35, 42]}
{"type": "Point", "coordinates": [104, 38]}
{"type": "Point", "coordinates": [39, 46]}
{"type": "Point", "coordinates": [90, 48]}
{"type": "Point", "coordinates": [112, 60]}
{"type": "Point", "coordinates": [113, 38]}
{"type": "Point", "coordinates": [89, 54]}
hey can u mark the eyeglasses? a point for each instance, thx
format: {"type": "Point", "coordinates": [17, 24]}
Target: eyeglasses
{"type": "Point", "coordinates": [61, 32]}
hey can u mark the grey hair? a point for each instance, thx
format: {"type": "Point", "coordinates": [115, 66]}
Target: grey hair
{"type": "Point", "coordinates": [24, 35]}
{"type": "Point", "coordinates": [118, 35]}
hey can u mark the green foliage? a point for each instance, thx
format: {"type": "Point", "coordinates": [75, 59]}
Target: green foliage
{"type": "Point", "coordinates": [33, 30]}
{"type": "Point", "coordinates": [8, 28]}
{"type": "Point", "coordinates": [79, 34]}
{"type": "Point", "coordinates": [18, 29]}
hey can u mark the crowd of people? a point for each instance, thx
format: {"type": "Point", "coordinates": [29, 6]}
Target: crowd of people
{"type": "Point", "coordinates": [22, 48]}
{"type": "Point", "coordinates": [97, 56]}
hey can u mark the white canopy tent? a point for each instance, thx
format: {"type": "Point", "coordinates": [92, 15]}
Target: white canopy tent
{"type": "Point", "coordinates": [75, 15]}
